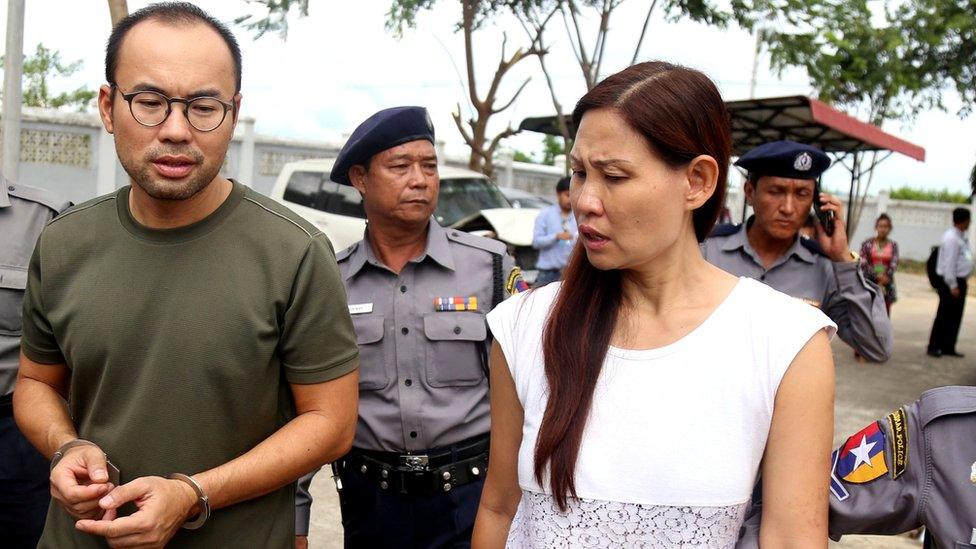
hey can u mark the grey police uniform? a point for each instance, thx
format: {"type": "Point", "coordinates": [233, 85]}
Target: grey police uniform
{"type": "Point", "coordinates": [422, 381]}
{"type": "Point", "coordinates": [840, 290]}
{"type": "Point", "coordinates": [919, 470]}
{"type": "Point", "coordinates": [24, 211]}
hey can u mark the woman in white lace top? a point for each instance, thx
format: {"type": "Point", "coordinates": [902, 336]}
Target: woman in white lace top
{"type": "Point", "coordinates": [635, 403]}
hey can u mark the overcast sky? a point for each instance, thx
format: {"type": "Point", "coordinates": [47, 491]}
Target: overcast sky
{"type": "Point", "coordinates": [340, 64]}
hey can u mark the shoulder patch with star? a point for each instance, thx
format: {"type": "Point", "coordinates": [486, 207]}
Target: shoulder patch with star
{"type": "Point", "coordinates": [862, 458]}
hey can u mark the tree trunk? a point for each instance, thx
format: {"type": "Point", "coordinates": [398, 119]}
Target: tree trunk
{"type": "Point", "coordinates": [118, 10]}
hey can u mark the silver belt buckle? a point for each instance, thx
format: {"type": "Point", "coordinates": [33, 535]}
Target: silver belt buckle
{"type": "Point", "coordinates": [414, 462]}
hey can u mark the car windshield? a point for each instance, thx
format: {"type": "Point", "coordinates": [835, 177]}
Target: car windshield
{"type": "Point", "coordinates": [462, 198]}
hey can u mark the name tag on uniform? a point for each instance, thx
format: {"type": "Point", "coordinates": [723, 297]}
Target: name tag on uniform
{"type": "Point", "coordinates": [360, 308]}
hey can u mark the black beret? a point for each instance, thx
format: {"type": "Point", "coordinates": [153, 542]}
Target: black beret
{"type": "Point", "coordinates": [785, 159]}
{"type": "Point", "coordinates": [384, 130]}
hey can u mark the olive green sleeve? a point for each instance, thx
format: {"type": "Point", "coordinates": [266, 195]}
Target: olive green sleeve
{"type": "Point", "coordinates": [38, 341]}
{"type": "Point", "coordinates": [318, 343]}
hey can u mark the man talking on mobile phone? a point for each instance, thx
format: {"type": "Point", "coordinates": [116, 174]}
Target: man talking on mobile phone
{"type": "Point", "coordinates": [781, 187]}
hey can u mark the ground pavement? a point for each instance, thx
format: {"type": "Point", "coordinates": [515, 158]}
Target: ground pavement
{"type": "Point", "coordinates": [865, 392]}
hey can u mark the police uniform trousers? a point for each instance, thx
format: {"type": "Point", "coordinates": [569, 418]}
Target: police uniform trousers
{"type": "Point", "coordinates": [945, 329]}
{"type": "Point", "coordinates": [377, 517]}
{"type": "Point", "coordinates": [24, 490]}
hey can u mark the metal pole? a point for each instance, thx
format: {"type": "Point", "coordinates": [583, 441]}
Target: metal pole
{"type": "Point", "coordinates": [755, 64]}
{"type": "Point", "coordinates": [855, 180]}
{"type": "Point", "coordinates": [13, 94]}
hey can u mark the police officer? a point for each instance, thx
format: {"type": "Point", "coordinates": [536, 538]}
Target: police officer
{"type": "Point", "coordinates": [915, 467]}
{"type": "Point", "coordinates": [418, 294]}
{"type": "Point", "coordinates": [781, 188]}
{"type": "Point", "coordinates": [24, 492]}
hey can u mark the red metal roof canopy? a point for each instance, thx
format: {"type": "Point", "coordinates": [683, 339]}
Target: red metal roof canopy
{"type": "Point", "coordinates": [798, 118]}
{"type": "Point", "coordinates": [807, 120]}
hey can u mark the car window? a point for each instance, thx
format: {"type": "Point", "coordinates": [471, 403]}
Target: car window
{"type": "Point", "coordinates": [303, 187]}
{"type": "Point", "coordinates": [463, 197]}
{"type": "Point", "coordinates": [342, 200]}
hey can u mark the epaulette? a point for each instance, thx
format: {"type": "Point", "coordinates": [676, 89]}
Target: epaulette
{"type": "Point", "coordinates": [487, 244]}
{"type": "Point", "coordinates": [40, 196]}
{"type": "Point", "coordinates": [813, 246]}
{"type": "Point", "coordinates": [725, 229]}
{"type": "Point", "coordinates": [945, 401]}
{"type": "Point", "coordinates": [344, 254]}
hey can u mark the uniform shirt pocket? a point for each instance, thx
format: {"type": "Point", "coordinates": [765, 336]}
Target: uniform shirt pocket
{"type": "Point", "coordinates": [373, 364]}
{"type": "Point", "coordinates": [454, 344]}
{"type": "Point", "coordinates": [13, 281]}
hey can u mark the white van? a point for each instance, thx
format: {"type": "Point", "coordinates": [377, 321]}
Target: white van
{"type": "Point", "coordinates": [468, 201]}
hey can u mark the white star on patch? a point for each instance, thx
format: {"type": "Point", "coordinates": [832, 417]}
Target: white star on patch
{"type": "Point", "coordinates": [863, 452]}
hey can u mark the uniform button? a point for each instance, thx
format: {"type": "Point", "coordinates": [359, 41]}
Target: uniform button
{"type": "Point", "coordinates": [446, 475]}
{"type": "Point", "coordinates": [413, 434]}
{"type": "Point", "coordinates": [384, 485]}
{"type": "Point", "coordinates": [403, 289]}
{"type": "Point", "coordinates": [763, 277]}
{"type": "Point", "coordinates": [457, 330]}
{"type": "Point", "coordinates": [408, 382]}
{"type": "Point", "coordinates": [404, 330]}
{"type": "Point", "coordinates": [10, 188]}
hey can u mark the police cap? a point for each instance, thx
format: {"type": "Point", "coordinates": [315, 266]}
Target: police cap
{"type": "Point", "coordinates": [785, 159]}
{"type": "Point", "coordinates": [384, 130]}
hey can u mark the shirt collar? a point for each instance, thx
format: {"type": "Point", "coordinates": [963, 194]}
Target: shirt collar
{"type": "Point", "coordinates": [740, 240]}
{"type": "Point", "coordinates": [437, 248]}
{"type": "Point", "coordinates": [4, 198]}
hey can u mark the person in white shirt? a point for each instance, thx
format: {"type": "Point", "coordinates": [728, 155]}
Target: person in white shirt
{"type": "Point", "coordinates": [954, 266]}
{"type": "Point", "coordinates": [636, 402]}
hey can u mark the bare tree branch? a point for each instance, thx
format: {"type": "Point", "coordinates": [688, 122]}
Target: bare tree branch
{"type": "Point", "coordinates": [514, 97]}
{"type": "Point", "coordinates": [640, 41]}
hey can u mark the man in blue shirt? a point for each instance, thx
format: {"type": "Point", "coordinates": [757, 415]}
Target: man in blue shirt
{"type": "Point", "coordinates": [554, 236]}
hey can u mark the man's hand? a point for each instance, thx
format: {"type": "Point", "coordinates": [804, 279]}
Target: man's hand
{"type": "Point", "coordinates": [564, 236]}
{"type": "Point", "coordinates": [301, 542]}
{"type": "Point", "coordinates": [955, 292]}
{"type": "Point", "coordinates": [79, 480]}
{"type": "Point", "coordinates": [836, 245]}
{"type": "Point", "coordinates": [163, 506]}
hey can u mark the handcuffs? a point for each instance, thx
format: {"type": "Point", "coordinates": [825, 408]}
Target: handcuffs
{"type": "Point", "coordinates": [113, 473]}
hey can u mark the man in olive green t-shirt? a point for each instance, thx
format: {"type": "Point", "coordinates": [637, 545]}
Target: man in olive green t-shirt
{"type": "Point", "coordinates": [189, 330]}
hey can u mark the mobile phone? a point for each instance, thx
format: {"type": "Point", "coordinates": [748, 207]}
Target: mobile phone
{"type": "Point", "coordinates": [826, 218]}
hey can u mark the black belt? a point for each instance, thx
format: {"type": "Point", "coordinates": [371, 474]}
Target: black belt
{"type": "Point", "coordinates": [423, 473]}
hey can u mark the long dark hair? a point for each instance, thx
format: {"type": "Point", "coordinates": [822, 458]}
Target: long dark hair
{"type": "Point", "coordinates": [680, 113]}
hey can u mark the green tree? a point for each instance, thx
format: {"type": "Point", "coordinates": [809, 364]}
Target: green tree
{"type": "Point", "coordinates": [44, 66]}
{"type": "Point", "coordinates": [553, 146]}
{"type": "Point", "coordinates": [972, 180]}
{"type": "Point", "coordinates": [881, 61]}
{"type": "Point", "coordinates": [927, 195]}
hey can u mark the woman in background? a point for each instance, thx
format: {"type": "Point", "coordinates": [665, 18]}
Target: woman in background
{"type": "Point", "coordinates": [879, 259]}
{"type": "Point", "coordinates": [636, 402]}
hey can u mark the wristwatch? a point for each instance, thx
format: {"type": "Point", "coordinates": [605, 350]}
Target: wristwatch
{"type": "Point", "coordinates": [202, 500]}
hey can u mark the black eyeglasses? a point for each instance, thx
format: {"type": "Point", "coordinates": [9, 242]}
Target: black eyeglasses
{"type": "Point", "coordinates": [151, 109]}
